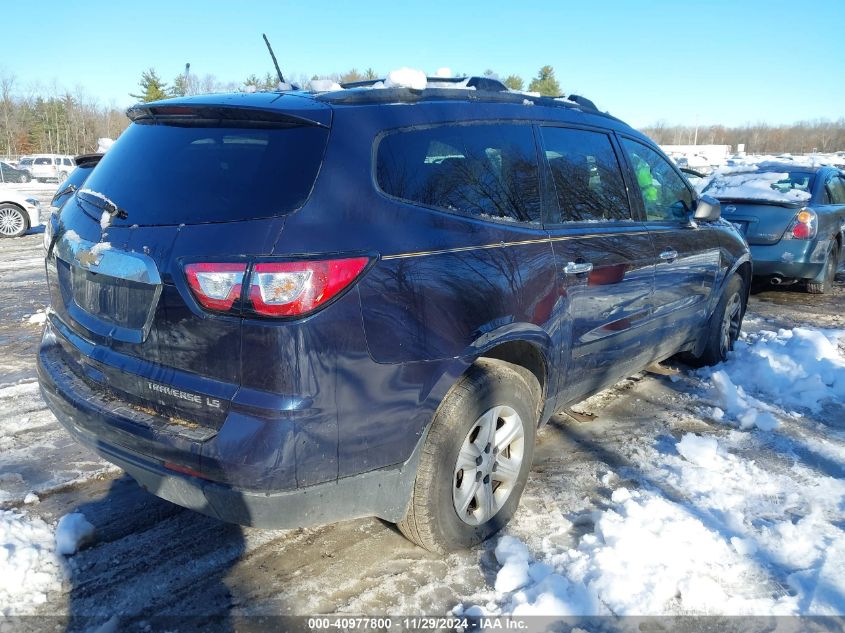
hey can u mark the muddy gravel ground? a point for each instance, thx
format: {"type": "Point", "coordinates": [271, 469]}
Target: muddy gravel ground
{"type": "Point", "coordinates": [149, 557]}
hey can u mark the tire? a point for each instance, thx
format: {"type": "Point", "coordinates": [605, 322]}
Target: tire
{"type": "Point", "coordinates": [724, 325]}
{"type": "Point", "coordinates": [25, 178]}
{"type": "Point", "coordinates": [13, 221]}
{"type": "Point", "coordinates": [62, 176]}
{"type": "Point", "coordinates": [493, 398]}
{"type": "Point", "coordinates": [825, 284]}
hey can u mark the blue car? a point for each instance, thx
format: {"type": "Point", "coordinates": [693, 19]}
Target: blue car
{"type": "Point", "coordinates": [793, 216]}
{"type": "Point", "coordinates": [287, 309]}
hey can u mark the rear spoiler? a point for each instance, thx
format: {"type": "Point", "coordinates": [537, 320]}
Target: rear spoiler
{"type": "Point", "coordinates": [774, 203]}
{"type": "Point", "coordinates": [216, 116]}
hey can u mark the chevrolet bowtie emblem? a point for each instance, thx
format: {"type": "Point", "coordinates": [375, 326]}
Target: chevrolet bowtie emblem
{"type": "Point", "coordinates": [87, 258]}
{"type": "Point", "coordinates": [730, 208]}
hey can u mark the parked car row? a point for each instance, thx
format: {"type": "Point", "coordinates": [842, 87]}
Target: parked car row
{"type": "Point", "coordinates": [43, 167]}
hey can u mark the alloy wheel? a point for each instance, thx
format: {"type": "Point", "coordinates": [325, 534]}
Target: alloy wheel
{"type": "Point", "coordinates": [11, 221]}
{"type": "Point", "coordinates": [731, 322]}
{"type": "Point", "coordinates": [488, 465]}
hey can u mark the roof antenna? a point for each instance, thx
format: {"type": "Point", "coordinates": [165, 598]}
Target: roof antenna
{"type": "Point", "coordinates": [273, 55]}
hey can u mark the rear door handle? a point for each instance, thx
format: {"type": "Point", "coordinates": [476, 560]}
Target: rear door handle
{"type": "Point", "coordinates": [576, 269]}
{"type": "Point", "coordinates": [670, 255]}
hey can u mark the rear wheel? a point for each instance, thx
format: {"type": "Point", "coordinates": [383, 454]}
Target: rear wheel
{"type": "Point", "coordinates": [824, 283]}
{"type": "Point", "coordinates": [13, 221]}
{"type": "Point", "coordinates": [725, 324]}
{"type": "Point", "coordinates": [476, 458]}
{"type": "Point", "coordinates": [62, 176]}
{"type": "Point", "coordinates": [25, 178]}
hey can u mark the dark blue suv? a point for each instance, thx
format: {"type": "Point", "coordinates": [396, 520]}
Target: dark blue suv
{"type": "Point", "coordinates": [284, 309]}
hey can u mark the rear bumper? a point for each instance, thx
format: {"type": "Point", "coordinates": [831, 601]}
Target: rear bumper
{"type": "Point", "coordinates": [790, 258]}
{"type": "Point", "coordinates": [382, 493]}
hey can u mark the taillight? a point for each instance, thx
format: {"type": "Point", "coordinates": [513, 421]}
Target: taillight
{"type": "Point", "coordinates": [295, 288]}
{"type": "Point", "coordinates": [216, 285]}
{"type": "Point", "coordinates": [803, 227]}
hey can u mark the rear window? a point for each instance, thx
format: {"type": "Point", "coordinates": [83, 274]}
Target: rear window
{"type": "Point", "coordinates": [166, 174]}
{"type": "Point", "coordinates": [43, 161]}
{"type": "Point", "coordinates": [756, 183]}
{"type": "Point", "coordinates": [488, 171]}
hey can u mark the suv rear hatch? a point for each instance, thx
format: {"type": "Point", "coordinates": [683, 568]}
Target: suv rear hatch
{"type": "Point", "coordinates": [198, 180]}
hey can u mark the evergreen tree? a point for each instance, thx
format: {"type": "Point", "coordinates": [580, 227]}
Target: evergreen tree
{"type": "Point", "coordinates": [514, 82]}
{"type": "Point", "coordinates": [545, 83]}
{"type": "Point", "coordinates": [152, 87]}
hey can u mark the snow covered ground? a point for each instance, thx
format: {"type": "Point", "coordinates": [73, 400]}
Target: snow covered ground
{"type": "Point", "coordinates": [677, 491]}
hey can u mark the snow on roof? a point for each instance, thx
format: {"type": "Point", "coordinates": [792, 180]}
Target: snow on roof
{"type": "Point", "coordinates": [406, 78]}
{"type": "Point", "coordinates": [751, 183]}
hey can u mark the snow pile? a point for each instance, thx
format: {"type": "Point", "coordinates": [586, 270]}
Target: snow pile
{"type": "Point", "coordinates": [714, 534]}
{"type": "Point", "coordinates": [29, 567]}
{"type": "Point", "coordinates": [789, 369]}
{"type": "Point", "coordinates": [323, 85]}
{"type": "Point", "coordinates": [406, 78]}
{"type": "Point", "coordinates": [750, 184]}
{"type": "Point", "coordinates": [71, 532]}
{"type": "Point", "coordinates": [38, 318]}
{"type": "Point", "coordinates": [104, 145]}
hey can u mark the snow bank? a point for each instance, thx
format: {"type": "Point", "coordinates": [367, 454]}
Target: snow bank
{"type": "Point", "coordinates": [714, 533]}
{"type": "Point", "coordinates": [406, 78]}
{"type": "Point", "coordinates": [71, 532]}
{"type": "Point", "coordinates": [795, 369]}
{"type": "Point", "coordinates": [29, 567]}
{"type": "Point", "coordinates": [748, 183]}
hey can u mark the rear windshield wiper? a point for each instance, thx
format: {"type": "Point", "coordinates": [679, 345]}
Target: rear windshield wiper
{"type": "Point", "coordinates": [69, 189]}
{"type": "Point", "coordinates": [102, 202]}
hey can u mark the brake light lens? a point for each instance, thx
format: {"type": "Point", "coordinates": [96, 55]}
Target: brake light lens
{"type": "Point", "coordinates": [216, 285]}
{"type": "Point", "coordinates": [804, 226]}
{"type": "Point", "coordinates": [295, 288]}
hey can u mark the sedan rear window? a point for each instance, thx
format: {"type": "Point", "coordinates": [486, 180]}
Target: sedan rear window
{"type": "Point", "coordinates": [169, 174]}
{"type": "Point", "coordinates": [755, 183]}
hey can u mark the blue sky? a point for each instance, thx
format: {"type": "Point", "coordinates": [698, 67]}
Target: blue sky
{"type": "Point", "coordinates": [682, 62]}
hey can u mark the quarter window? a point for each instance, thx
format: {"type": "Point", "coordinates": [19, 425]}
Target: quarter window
{"type": "Point", "coordinates": [664, 193]}
{"type": "Point", "coordinates": [836, 190]}
{"type": "Point", "coordinates": [488, 171]}
{"type": "Point", "coordinates": [586, 175]}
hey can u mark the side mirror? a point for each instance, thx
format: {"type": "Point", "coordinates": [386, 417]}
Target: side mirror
{"type": "Point", "coordinates": [708, 209]}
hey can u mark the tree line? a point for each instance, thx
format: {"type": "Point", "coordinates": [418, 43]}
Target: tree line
{"type": "Point", "coordinates": [55, 120]}
{"type": "Point", "coordinates": [819, 135]}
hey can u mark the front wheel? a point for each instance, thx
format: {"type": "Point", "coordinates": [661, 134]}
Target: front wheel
{"type": "Point", "coordinates": [476, 458]}
{"type": "Point", "coordinates": [725, 323]}
{"type": "Point", "coordinates": [824, 283]}
{"type": "Point", "coordinates": [25, 178]}
{"type": "Point", "coordinates": [13, 221]}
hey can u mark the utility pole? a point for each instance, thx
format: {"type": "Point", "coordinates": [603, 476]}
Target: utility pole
{"type": "Point", "coordinates": [187, 72]}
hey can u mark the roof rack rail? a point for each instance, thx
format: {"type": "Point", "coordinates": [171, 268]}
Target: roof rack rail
{"type": "Point", "coordinates": [479, 83]}
{"type": "Point", "coordinates": [408, 95]}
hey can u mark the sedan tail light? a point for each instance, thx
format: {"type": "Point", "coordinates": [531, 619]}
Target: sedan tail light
{"type": "Point", "coordinates": [804, 226]}
{"type": "Point", "coordinates": [276, 289]}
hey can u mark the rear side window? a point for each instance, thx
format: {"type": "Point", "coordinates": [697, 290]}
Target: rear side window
{"type": "Point", "coordinates": [835, 188]}
{"type": "Point", "coordinates": [168, 174]}
{"type": "Point", "coordinates": [586, 175]}
{"type": "Point", "coordinates": [664, 193]}
{"type": "Point", "coordinates": [488, 171]}
{"type": "Point", "coordinates": [43, 161]}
